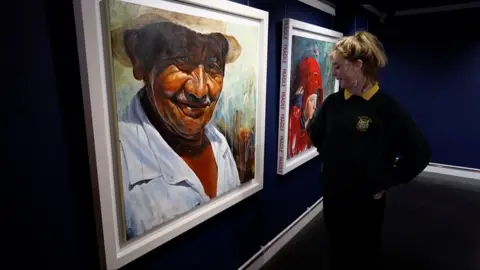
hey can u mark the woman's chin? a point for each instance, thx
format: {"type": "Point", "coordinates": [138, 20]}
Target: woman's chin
{"type": "Point", "coordinates": [344, 85]}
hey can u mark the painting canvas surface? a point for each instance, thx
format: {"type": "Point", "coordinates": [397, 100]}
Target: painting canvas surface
{"type": "Point", "coordinates": [185, 98]}
{"type": "Point", "coordinates": [311, 81]}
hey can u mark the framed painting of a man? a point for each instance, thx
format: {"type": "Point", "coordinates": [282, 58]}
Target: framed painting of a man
{"type": "Point", "coordinates": [174, 95]}
{"type": "Point", "coordinates": [305, 81]}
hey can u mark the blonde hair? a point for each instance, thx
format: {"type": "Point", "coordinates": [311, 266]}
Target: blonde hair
{"type": "Point", "coordinates": [363, 46]}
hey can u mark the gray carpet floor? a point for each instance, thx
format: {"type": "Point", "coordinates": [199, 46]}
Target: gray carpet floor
{"type": "Point", "coordinates": [431, 223]}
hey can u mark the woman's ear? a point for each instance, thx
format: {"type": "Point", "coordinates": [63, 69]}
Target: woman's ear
{"type": "Point", "coordinates": [358, 64]}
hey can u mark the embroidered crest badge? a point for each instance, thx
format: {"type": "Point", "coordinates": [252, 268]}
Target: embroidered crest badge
{"type": "Point", "coordinates": [363, 123]}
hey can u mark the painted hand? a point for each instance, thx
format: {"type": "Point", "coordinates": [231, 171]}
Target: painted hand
{"type": "Point", "coordinates": [299, 91]}
{"type": "Point", "coordinates": [379, 195]}
{"type": "Point", "coordinates": [298, 97]}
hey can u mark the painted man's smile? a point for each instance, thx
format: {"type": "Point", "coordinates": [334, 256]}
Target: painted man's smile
{"type": "Point", "coordinates": [191, 105]}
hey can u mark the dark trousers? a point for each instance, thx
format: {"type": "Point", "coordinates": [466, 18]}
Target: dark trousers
{"type": "Point", "coordinates": [354, 228]}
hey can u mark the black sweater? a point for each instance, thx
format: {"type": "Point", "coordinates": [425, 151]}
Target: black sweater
{"type": "Point", "coordinates": [359, 139]}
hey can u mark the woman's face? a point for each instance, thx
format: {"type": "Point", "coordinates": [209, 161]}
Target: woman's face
{"type": "Point", "coordinates": [346, 72]}
{"type": "Point", "coordinates": [311, 106]}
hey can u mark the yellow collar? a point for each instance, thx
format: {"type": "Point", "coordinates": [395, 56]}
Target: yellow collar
{"type": "Point", "coordinates": [367, 95]}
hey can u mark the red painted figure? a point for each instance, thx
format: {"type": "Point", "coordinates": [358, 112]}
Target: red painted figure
{"type": "Point", "coordinates": [309, 81]}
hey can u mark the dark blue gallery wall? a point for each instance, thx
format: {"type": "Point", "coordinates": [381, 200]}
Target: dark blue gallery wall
{"type": "Point", "coordinates": [364, 21]}
{"type": "Point", "coordinates": [433, 70]}
{"type": "Point", "coordinates": [48, 160]}
{"type": "Point", "coordinates": [46, 151]}
{"type": "Point", "coordinates": [351, 18]}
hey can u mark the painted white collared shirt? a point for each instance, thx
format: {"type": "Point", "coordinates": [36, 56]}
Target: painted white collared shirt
{"type": "Point", "coordinates": [157, 184]}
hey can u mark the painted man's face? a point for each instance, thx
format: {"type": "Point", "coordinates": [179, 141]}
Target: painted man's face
{"type": "Point", "coordinates": [310, 77]}
{"type": "Point", "coordinates": [183, 72]}
{"type": "Point", "coordinates": [311, 105]}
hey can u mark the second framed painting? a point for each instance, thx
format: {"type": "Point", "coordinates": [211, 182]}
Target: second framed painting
{"type": "Point", "coordinates": [305, 81]}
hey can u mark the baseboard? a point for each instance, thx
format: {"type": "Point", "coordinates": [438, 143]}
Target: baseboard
{"type": "Point", "coordinates": [271, 248]}
{"type": "Point", "coordinates": [450, 170]}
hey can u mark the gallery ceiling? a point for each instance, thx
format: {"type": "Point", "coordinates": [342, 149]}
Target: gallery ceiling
{"type": "Point", "coordinates": [395, 5]}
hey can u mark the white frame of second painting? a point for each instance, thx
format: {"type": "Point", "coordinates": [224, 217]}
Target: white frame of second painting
{"type": "Point", "coordinates": [94, 58]}
{"type": "Point", "coordinates": [291, 27]}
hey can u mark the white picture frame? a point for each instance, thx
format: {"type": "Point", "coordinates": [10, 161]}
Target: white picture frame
{"type": "Point", "coordinates": [292, 28]}
{"type": "Point", "coordinates": [94, 55]}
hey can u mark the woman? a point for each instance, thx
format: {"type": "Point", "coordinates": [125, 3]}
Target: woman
{"type": "Point", "coordinates": [367, 144]}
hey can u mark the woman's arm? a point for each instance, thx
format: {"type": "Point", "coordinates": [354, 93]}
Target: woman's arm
{"type": "Point", "coordinates": [316, 125]}
{"type": "Point", "coordinates": [411, 144]}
